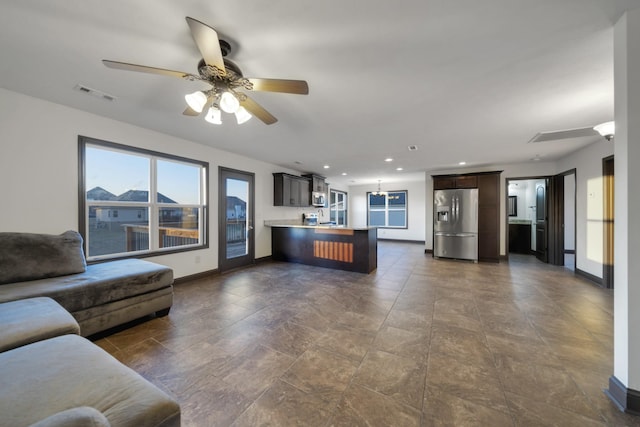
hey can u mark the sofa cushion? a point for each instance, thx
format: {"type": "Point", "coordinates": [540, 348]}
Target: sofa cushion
{"type": "Point", "coordinates": [99, 284]}
{"type": "Point", "coordinates": [33, 319]}
{"type": "Point", "coordinates": [47, 377]}
{"type": "Point", "coordinates": [28, 256]}
{"type": "Point", "coordinates": [83, 416]}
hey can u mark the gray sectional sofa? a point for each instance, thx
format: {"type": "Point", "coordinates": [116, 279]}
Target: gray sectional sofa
{"type": "Point", "coordinates": [51, 377]}
{"type": "Point", "coordinates": [98, 296]}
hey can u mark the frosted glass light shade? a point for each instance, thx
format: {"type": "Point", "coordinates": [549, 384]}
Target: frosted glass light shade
{"type": "Point", "coordinates": [214, 116]}
{"type": "Point", "coordinates": [242, 115]}
{"type": "Point", "coordinates": [607, 129]}
{"type": "Point", "coordinates": [229, 103]}
{"type": "Point", "coordinates": [196, 101]}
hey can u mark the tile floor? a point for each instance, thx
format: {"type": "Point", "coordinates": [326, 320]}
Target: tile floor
{"type": "Point", "coordinates": [419, 342]}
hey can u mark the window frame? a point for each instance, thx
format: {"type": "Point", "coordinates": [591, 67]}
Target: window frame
{"type": "Point", "coordinates": [152, 204]}
{"type": "Point", "coordinates": [387, 210]}
{"type": "Point", "coordinates": [334, 210]}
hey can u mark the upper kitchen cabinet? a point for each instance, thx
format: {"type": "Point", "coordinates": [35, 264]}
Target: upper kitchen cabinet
{"type": "Point", "coordinates": [290, 190]}
{"type": "Point", "coordinates": [445, 182]}
{"type": "Point", "coordinates": [316, 183]}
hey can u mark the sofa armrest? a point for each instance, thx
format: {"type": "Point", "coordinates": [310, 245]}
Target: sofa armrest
{"type": "Point", "coordinates": [83, 416]}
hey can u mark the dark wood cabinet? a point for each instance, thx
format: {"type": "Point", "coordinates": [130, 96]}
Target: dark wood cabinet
{"type": "Point", "coordinates": [459, 181]}
{"type": "Point", "coordinates": [290, 190]}
{"type": "Point", "coordinates": [489, 217]}
{"type": "Point", "coordinates": [520, 238]}
{"type": "Point", "coordinates": [316, 182]}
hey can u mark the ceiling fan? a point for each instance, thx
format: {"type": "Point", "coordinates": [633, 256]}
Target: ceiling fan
{"type": "Point", "coordinates": [225, 79]}
{"type": "Point", "coordinates": [606, 130]}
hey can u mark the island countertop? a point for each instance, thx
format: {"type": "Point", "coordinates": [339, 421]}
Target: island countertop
{"type": "Point", "coordinates": [339, 227]}
{"type": "Point", "coordinates": [342, 248]}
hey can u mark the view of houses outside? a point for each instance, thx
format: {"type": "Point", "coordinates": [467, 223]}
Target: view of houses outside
{"type": "Point", "coordinates": [118, 201]}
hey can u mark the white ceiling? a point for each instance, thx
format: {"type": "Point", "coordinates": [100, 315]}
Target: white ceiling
{"type": "Point", "coordinates": [463, 80]}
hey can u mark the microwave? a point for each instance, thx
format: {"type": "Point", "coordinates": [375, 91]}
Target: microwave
{"type": "Point", "coordinates": [318, 199]}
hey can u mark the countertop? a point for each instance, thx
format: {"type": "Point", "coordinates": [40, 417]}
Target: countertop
{"type": "Point", "coordinates": [292, 224]}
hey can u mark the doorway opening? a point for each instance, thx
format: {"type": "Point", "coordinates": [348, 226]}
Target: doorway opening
{"type": "Point", "coordinates": [541, 218]}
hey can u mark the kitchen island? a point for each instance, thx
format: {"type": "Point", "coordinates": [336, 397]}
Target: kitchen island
{"type": "Point", "coordinates": [341, 248]}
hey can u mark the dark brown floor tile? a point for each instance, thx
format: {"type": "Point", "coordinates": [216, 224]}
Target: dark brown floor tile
{"type": "Point", "coordinates": [283, 405]}
{"type": "Point", "coordinates": [469, 382]}
{"type": "Point", "coordinates": [252, 372]}
{"type": "Point", "coordinates": [546, 384]}
{"type": "Point", "coordinates": [348, 342]}
{"type": "Point", "coordinates": [409, 321]}
{"type": "Point", "coordinates": [321, 374]}
{"type": "Point", "coordinates": [466, 346]}
{"type": "Point", "coordinates": [444, 409]}
{"type": "Point", "coordinates": [211, 402]}
{"type": "Point", "coordinates": [411, 344]}
{"type": "Point", "coordinates": [291, 338]}
{"type": "Point", "coordinates": [523, 349]}
{"type": "Point", "coordinates": [527, 412]}
{"type": "Point", "coordinates": [394, 376]}
{"type": "Point", "coordinates": [362, 407]}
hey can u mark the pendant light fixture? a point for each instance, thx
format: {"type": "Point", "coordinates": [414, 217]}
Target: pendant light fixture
{"type": "Point", "coordinates": [379, 192]}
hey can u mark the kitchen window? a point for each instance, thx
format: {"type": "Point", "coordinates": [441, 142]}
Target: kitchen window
{"type": "Point", "coordinates": [136, 202]}
{"type": "Point", "coordinates": [338, 207]}
{"type": "Point", "coordinates": [387, 209]}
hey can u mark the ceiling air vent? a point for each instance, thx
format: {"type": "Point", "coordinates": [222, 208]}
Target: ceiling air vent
{"type": "Point", "coordinates": [94, 92]}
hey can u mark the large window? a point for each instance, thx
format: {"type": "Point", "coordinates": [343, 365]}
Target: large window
{"type": "Point", "coordinates": [138, 202]}
{"type": "Point", "coordinates": [338, 207]}
{"type": "Point", "coordinates": [388, 209]}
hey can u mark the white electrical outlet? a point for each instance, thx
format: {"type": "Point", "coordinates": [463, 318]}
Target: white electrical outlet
{"type": "Point", "coordinates": [197, 259]}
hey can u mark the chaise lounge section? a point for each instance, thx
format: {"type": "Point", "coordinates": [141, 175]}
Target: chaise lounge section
{"type": "Point", "coordinates": [98, 296]}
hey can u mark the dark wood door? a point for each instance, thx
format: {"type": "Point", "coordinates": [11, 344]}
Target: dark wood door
{"type": "Point", "coordinates": [541, 222]}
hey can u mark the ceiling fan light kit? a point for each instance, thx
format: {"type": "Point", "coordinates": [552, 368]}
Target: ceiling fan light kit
{"type": "Point", "coordinates": [196, 101]}
{"type": "Point", "coordinates": [224, 77]}
{"type": "Point", "coordinates": [607, 130]}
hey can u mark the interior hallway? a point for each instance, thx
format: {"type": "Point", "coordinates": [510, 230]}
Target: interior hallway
{"type": "Point", "coordinates": [419, 342]}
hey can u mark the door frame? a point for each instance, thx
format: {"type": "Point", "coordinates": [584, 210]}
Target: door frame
{"type": "Point", "coordinates": [225, 264]}
{"type": "Point", "coordinates": [554, 196]}
{"type": "Point", "coordinates": [608, 219]}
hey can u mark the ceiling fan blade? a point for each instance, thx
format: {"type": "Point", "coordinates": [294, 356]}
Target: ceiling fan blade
{"type": "Point", "coordinates": [563, 134]}
{"type": "Point", "coordinates": [256, 109]}
{"type": "Point", "coordinates": [206, 39]}
{"type": "Point", "coordinates": [144, 69]}
{"type": "Point", "coordinates": [190, 112]}
{"type": "Point", "coordinates": [299, 87]}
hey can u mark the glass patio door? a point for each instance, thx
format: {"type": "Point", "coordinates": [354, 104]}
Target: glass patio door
{"type": "Point", "coordinates": [236, 247]}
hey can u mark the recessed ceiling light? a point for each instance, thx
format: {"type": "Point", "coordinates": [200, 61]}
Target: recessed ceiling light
{"type": "Point", "coordinates": [462, 163]}
{"type": "Point", "coordinates": [344, 174]}
{"type": "Point", "coordinates": [326, 166]}
{"type": "Point", "coordinates": [399, 169]}
{"type": "Point", "coordinates": [388, 159]}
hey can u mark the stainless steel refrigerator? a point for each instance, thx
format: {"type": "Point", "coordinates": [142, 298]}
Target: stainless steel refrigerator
{"type": "Point", "coordinates": [455, 223]}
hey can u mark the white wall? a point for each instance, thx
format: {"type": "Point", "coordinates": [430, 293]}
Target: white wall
{"type": "Point", "coordinates": [39, 173]}
{"type": "Point", "coordinates": [589, 204]}
{"type": "Point", "coordinates": [415, 203]}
